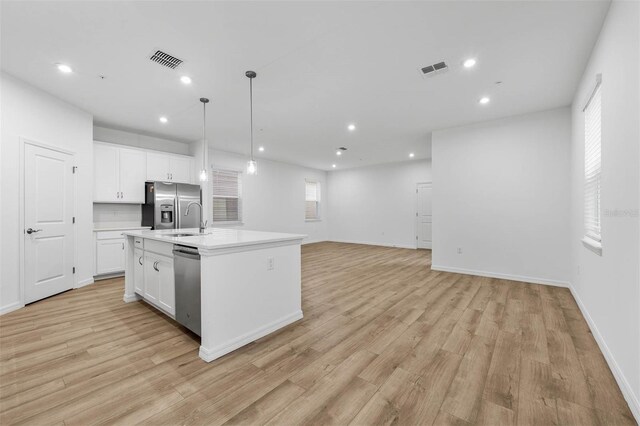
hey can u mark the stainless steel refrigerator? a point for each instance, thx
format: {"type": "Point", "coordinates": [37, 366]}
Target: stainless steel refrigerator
{"type": "Point", "coordinates": [166, 204]}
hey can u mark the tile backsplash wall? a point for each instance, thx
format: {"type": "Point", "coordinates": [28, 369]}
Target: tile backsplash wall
{"type": "Point", "coordinates": [113, 215]}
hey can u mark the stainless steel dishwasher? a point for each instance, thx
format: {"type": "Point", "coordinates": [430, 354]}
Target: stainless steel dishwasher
{"type": "Point", "coordinates": [186, 265]}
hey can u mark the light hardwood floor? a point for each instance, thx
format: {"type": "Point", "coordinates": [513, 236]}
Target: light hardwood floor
{"type": "Point", "coordinates": [383, 340]}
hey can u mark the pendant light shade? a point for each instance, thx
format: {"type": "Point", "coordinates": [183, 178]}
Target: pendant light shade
{"type": "Point", "coordinates": [252, 166]}
{"type": "Point", "coordinates": [203, 172]}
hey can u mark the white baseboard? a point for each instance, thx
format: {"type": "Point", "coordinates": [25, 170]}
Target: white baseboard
{"type": "Point", "coordinates": [304, 242]}
{"type": "Point", "coordinates": [625, 387]}
{"type": "Point", "coordinates": [83, 283]}
{"type": "Point", "coordinates": [11, 307]}
{"type": "Point", "coordinates": [210, 354]}
{"type": "Point", "coordinates": [499, 275]}
{"type": "Point", "coordinates": [370, 243]}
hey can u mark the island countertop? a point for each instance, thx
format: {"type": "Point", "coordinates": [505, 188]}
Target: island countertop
{"type": "Point", "coordinates": [215, 238]}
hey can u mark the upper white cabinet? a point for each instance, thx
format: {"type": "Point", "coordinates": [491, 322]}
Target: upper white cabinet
{"type": "Point", "coordinates": [169, 168]}
{"type": "Point", "coordinates": [119, 174]}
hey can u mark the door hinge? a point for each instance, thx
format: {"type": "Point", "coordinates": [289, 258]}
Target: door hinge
{"type": "Point", "coordinates": [74, 269]}
{"type": "Point", "coordinates": [74, 168]}
{"type": "Point", "coordinates": [416, 214]}
{"type": "Point", "coordinates": [74, 220]}
{"type": "Point", "coordinates": [416, 237]}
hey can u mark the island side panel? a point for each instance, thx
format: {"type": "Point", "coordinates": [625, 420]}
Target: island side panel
{"type": "Point", "coordinates": [129, 290]}
{"type": "Point", "coordinates": [243, 300]}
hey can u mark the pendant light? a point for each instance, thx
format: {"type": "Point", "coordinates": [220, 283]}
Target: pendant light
{"type": "Point", "coordinates": [252, 166]}
{"type": "Point", "coordinates": [203, 172]}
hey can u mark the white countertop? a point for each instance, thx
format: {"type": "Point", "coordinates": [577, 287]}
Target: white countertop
{"type": "Point", "coordinates": [118, 228]}
{"type": "Point", "coordinates": [215, 238]}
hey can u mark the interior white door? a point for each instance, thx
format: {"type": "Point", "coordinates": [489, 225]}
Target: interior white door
{"type": "Point", "coordinates": [48, 222]}
{"type": "Point", "coordinates": [180, 170]}
{"type": "Point", "coordinates": [133, 174]}
{"type": "Point", "coordinates": [423, 215]}
{"type": "Point", "coordinates": [105, 180]}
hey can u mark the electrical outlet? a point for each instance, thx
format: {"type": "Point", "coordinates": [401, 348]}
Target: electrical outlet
{"type": "Point", "coordinates": [270, 263]}
{"type": "Point", "coordinates": [459, 250]}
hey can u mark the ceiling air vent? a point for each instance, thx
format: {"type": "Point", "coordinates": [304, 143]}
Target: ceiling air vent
{"type": "Point", "coordinates": [434, 69]}
{"type": "Point", "coordinates": [165, 59]}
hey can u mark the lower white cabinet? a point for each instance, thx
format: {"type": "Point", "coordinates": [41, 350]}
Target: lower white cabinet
{"type": "Point", "coordinates": [159, 287]}
{"type": "Point", "coordinates": [138, 271]}
{"type": "Point", "coordinates": [109, 256]}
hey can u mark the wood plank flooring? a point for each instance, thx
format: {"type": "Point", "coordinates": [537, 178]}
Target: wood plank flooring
{"type": "Point", "coordinates": [384, 340]}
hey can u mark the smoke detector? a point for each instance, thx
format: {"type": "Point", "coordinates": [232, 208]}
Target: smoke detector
{"type": "Point", "coordinates": [165, 59]}
{"type": "Point", "coordinates": [432, 70]}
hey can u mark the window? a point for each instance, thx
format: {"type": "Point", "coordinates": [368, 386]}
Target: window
{"type": "Point", "coordinates": [227, 202]}
{"type": "Point", "coordinates": [593, 170]}
{"type": "Point", "coordinates": [312, 200]}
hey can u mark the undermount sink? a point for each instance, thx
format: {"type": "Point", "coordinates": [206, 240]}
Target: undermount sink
{"type": "Point", "coordinates": [190, 234]}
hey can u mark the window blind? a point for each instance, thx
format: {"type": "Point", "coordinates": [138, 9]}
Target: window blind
{"type": "Point", "coordinates": [312, 200]}
{"type": "Point", "coordinates": [226, 196]}
{"type": "Point", "coordinates": [593, 165]}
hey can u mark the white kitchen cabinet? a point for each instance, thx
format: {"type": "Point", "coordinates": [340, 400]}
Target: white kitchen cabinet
{"type": "Point", "coordinates": [119, 174]}
{"type": "Point", "coordinates": [109, 256]}
{"type": "Point", "coordinates": [159, 287]}
{"type": "Point", "coordinates": [138, 271]}
{"type": "Point", "coordinates": [169, 168]}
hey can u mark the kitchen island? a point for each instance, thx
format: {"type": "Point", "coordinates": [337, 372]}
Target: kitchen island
{"type": "Point", "coordinates": [250, 281]}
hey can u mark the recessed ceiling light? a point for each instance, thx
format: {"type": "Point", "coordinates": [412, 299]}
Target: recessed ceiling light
{"type": "Point", "coordinates": [411, 155]}
{"type": "Point", "coordinates": [185, 79]}
{"type": "Point", "coordinates": [333, 165]}
{"type": "Point", "coordinates": [338, 152]}
{"type": "Point", "coordinates": [351, 127]}
{"type": "Point", "coordinates": [163, 119]}
{"type": "Point", "coordinates": [64, 68]}
{"type": "Point", "coordinates": [484, 100]}
{"type": "Point", "coordinates": [261, 149]}
{"type": "Point", "coordinates": [469, 63]}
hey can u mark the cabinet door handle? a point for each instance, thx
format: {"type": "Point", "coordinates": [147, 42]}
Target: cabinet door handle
{"type": "Point", "coordinates": [122, 246]}
{"type": "Point", "coordinates": [140, 260]}
{"type": "Point", "coordinates": [155, 266]}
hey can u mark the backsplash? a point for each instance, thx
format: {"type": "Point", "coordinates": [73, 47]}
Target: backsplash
{"type": "Point", "coordinates": [114, 215]}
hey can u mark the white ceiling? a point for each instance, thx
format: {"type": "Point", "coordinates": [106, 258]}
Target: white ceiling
{"type": "Point", "coordinates": [320, 65]}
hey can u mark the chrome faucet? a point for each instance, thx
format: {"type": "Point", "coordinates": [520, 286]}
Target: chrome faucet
{"type": "Point", "coordinates": [203, 224]}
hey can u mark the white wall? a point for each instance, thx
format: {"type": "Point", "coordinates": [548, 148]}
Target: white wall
{"type": "Point", "coordinates": [501, 193]}
{"type": "Point", "coordinates": [607, 287]}
{"type": "Point", "coordinates": [274, 199]}
{"type": "Point", "coordinates": [376, 204]}
{"type": "Point", "coordinates": [122, 137]}
{"type": "Point", "coordinates": [33, 114]}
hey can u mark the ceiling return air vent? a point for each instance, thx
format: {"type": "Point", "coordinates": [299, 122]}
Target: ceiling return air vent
{"type": "Point", "coordinates": [431, 70]}
{"type": "Point", "coordinates": [165, 59]}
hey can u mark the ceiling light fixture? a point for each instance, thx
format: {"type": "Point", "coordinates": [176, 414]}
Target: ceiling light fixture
{"type": "Point", "coordinates": [484, 100]}
{"type": "Point", "coordinates": [411, 155]}
{"type": "Point", "coordinates": [252, 166]}
{"type": "Point", "coordinates": [203, 172]}
{"type": "Point", "coordinates": [351, 127]}
{"type": "Point", "coordinates": [164, 120]}
{"type": "Point", "coordinates": [338, 152]}
{"type": "Point", "coordinates": [261, 149]}
{"type": "Point", "coordinates": [185, 79]}
{"type": "Point", "coordinates": [469, 63]}
{"type": "Point", "coordinates": [333, 165]}
{"type": "Point", "coordinates": [64, 68]}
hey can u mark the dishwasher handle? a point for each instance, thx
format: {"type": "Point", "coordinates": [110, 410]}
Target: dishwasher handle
{"type": "Point", "coordinates": [188, 252]}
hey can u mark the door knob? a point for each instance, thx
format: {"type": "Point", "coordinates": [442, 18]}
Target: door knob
{"type": "Point", "coordinates": [32, 231]}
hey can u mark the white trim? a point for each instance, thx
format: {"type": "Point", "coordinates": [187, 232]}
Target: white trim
{"type": "Point", "coordinates": [11, 307]}
{"type": "Point", "coordinates": [210, 354]}
{"type": "Point", "coordinates": [593, 245]}
{"type": "Point", "coordinates": [370, 243]}
{"type": "Point", "coordinates": [305, 241]}
{"type": "Point", "coordinates": [85, 282]}
{"type": "Point", "coordinates": [417, 218]}
{"type": "Point", "coordinates": [520, 278]}
{"type": "Point", "coordinates": [593, 92]}
{"type": "Point", "coordinates": [623, 384]}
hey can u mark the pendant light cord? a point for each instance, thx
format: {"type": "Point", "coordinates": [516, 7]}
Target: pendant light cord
{"type": "Point", "coordinates": [251, 112]}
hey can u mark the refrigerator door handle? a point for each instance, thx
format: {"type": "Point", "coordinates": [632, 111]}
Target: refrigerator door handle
{"type": "Point", "coordinates": [178, 213]}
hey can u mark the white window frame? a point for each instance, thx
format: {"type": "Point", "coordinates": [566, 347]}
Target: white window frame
{"type": "Point", "coordinates": [240, 200]}
{"type": "Point", "coordinates": [317, 201]}
{"type": "Point", "coordinates": [592, 202]}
